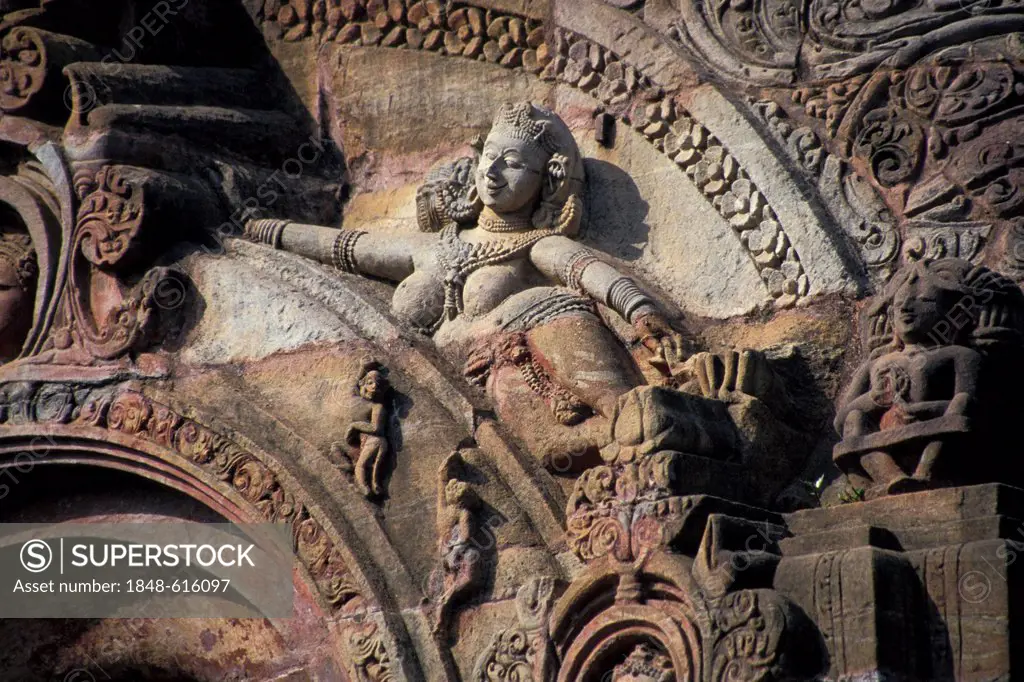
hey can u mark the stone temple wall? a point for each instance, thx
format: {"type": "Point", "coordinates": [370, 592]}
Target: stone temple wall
{"type": "Point", "coordinates": [572, 340]}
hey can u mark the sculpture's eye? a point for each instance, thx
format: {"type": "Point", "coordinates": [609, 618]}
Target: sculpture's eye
{"type": "Point", "coordinates": [514, 162]}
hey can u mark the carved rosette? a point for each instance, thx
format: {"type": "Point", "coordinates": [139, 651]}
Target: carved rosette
{"type": "Point", "coordinates": [242, 475]}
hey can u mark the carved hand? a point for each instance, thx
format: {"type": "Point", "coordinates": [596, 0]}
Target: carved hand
{"type": "Point", "coordinates": [664, 342]}
{"type": "Point", "coordinates": [745, 371]}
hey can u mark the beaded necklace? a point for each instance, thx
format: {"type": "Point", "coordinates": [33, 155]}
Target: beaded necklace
{"type": "Point", "coordinates": [493, 223]}
{"type": "Point", "coordinates": [459, 259]}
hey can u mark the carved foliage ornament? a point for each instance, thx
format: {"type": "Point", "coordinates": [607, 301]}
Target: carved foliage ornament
{"type": "Point", "coordinates": [242, 473]}
{"type": "Point", "coordinates": [109, 216]}
{"type": "Point", "coordinates": [370, 659]}
{"type": "Point", "coordinates": [624, 510]}
{"type": "Point", "coordinates": [644, 664]}
{"type": "Point", "coordinates": [520, 654]}
{"type": "Point", "coordinates": [105, 242]}
{"type": "Point", "coordinates": [22, 67]}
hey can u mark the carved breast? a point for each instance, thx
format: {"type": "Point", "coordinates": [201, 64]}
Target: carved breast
{"type": "Point", "coordinates": [486, 288]}
{"type": "Point", "coordinates": [419, 298]}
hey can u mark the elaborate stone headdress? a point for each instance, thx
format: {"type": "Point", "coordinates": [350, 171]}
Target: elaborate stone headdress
{"type": "Point", "coordinates": [17, 250]}
{"type": "Point", "coordinates": [520, 121]}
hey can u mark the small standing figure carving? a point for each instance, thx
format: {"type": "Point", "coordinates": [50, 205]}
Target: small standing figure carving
{"type": "Point", "coordinates": [912, 405]}
{"type": "Point", "coordinates": [368, 434]}
{"type": "Point", "coordinates": [457, 527]}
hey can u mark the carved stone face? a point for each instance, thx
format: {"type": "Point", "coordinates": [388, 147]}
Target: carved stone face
{"type": "Point", "coordinates": [15, 311]}
{"type": "Point", "coordinates": [918, 307]}
{"type": "Point", "coordinates": [510, 173]}
{"type": "Point", "coordinates": [372, 386]}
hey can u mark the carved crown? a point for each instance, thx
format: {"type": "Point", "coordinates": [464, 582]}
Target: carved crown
{"type": "Point", "coordinates": [524, 121]}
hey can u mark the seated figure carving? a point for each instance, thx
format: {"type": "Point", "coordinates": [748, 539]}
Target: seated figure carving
{"type": "Point", "coordinates": [926, 392]}
{"type": "Point", "coordinates": [498, 281]}
{"type": "Point", "coordinates": [18, 273]}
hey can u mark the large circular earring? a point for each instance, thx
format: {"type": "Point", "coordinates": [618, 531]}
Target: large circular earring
{"type": "Point", "coordinates": [473, 198]}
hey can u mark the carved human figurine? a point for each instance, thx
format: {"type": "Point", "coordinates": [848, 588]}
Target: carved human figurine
{"type": "Point", "coordinates": [496, 277]}
{"type": "Point", "coordinates": [501, 279]}
{"type": "Point", "coordinates": [368, 434]}
{"type": "Point", "coordinates": [18, 273]}
{"type": "Point", "coordinates": [457, 530]}
{"type": "Point", "coordinates": [906, 415]}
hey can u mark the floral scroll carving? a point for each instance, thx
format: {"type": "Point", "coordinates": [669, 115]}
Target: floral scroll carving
{"type": "Point", "coordinates": [109, 216]}
{"type": "Point", "coordinates": [907, 96]}
{"type": "Point", "coordinates": [106, 253]}
{"type": "Point", "coordinates": [521, 654]}
{"type": "Point", "coordinates": [747, 628]}
{"type": "Point", "coordinates": [370, 658]}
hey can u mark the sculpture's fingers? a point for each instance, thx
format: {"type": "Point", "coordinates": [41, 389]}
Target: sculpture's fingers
{"type": "Point", "coordinates": [730, 360]}
{"type": "Point", "coordinates": [712, 367]}
{"type": "Point", "coordinates": [678, 353]}
{"type": "Point", "coordinates": [1004, 315]}
{"type": "Point", "coordinates": [984, 316]}
{"type": "Point", "coordinates": [700, 370]}
{"type": "Point", "coordinates": [878, 326]}
{"type": "Point", "coordinates": [746, 373]}
{"type": "Point", "coordinates": [658, 359]}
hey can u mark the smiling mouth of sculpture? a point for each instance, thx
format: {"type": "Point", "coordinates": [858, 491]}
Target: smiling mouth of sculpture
{"type": "Point", "coordinates": [908, 319]}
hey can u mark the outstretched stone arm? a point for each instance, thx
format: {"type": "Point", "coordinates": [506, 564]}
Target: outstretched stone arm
{"type": "Point", "coordinates": [577, 267]}
{"type": "Point", "coordinates": [385, 255]}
